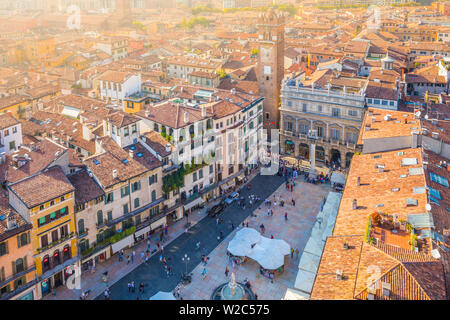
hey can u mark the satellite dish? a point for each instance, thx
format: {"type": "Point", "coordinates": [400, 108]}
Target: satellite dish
{"type": "Point", "coordinates": [428, 207]}
{"type": "Point", "coordinates": [426, 117]}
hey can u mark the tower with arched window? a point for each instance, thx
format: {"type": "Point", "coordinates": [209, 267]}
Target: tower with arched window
{"type": "Point", "coordinates": [270, 64]}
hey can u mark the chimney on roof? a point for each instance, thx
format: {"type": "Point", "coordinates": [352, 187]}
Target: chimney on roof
{"type": "Point", "coordinates": [147, 113]}
{"type": "Point", "coordinates": [233, 91]}
{"type": "Point", "coordinates": [203, 112]}
{"type": "Point", "coordinates": [186, 117]}
{"type": "Point", "coordinates": [354, 204]}
{"type": "Point", "coordinates": [11, 223]}
{"type": "Point", "coordinates": [358, 181]}
{"type": "Point", "coordinates": [114, 174]}
{"type": "Point", "coordinates": [131, 153]}
{"type": "Point", "coordinates": [339, 275]}
{"type": "Point", "coordinates": [168, 148]}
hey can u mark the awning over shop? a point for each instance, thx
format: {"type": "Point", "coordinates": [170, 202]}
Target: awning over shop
{"type": "Point", "coordinates": [241, 176]}
{"type": "Point", "coordinates": [142, 231]}
{"type": "Point", "coordinates": [128, 241]}
{"type": "Point", "coordinates": [292, 294]}
{"type": "Point", "coordinates": [157, 224]}
{"type": "Point", "coordinates": [289, 142]}
{"type": "Point", "coordinates": [191, 204]}
{"type": "Point", "coordinates": [337, 177]}
{"type": "Point", "coordinates": [227, 185]}
{"type": "Point", "coordinates": [161, 295]}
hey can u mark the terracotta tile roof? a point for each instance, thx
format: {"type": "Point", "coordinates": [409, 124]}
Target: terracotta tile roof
{"type": "Point", "coordinates": [157, 143]}
{"type": "Point", "coordinates": [86, 189]}
{"type": "Point", "coordinates": [121, 119]}
{"type": "Point", "coordinates": [42, 155]}
{"type": "Point", "coordinates": [7, 120]}
{"type": "Point", "coordinates": [42, 187]}
{"type": "Point", "coordinates": [381, 128]}
{"type": "Point", "coordinates": [375, 192]}
{"type": "Point", "coordinates": [115, 158]}
{"type": "Point", "coordinates": [6, 210]}
{"type": "Point", "coordinates": [114, 76]}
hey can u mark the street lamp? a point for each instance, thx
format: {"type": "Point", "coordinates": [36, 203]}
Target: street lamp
{"type": "Point", "coordinates": [186, 260]}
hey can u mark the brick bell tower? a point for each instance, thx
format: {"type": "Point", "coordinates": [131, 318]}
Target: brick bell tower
{"type": "Point", "coordinates": [270, 70]}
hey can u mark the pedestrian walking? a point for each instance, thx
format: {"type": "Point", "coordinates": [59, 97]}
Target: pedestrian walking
{"type": "Point", "coordinates": [285, 216]}
{"type": "Point", "coordinates": [204, 274]}
{"type": "Point", "coordinates": [166, 229]}
{"type": "Point", "coordinates": [221, 235]}
{"type": "Point", "coordinates": [142, 256]}
{"type": "Point", "coordinates": [293, 202]}
{"type": "Point", "coordinates": [217, 221]}
{"type": "Point", "coordinates": [162, 248]}
{"type": "Point", "coordinates": [271, 236]}
{"type": "Point", "coordinates": [271, 277]}
{"type": "Point", "coordinates": [120, 255]}
{"type": "Point", "coordinates": [129, 286]}
{"type": "Point", "coordinates": [132, 286]}
{"type": "Point", "coordinates": [226, 271]}
{"type": "Point", "coordinates": [132, 256]}
{"type": "Point", "coordinates": [141, 287]}
{"type": "Point", "coordinates": [93, 268]}
{"type": "Point", "coordinates": [292, 253]}
{"type": "Point", "coordinates": [128, 259]}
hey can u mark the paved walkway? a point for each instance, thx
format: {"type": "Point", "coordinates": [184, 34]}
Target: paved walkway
{"type": "Point", "coordinates": [117, 270]}
{"type": "Point", "coordinates": [295, 231]}
{"type": "Point", "coordinates": [152, 274]}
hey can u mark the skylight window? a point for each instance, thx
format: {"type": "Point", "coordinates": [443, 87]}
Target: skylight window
{"type": "Point", "coordinates": [125, 161]}
{"type": "Point", "coordinates": [96, 162]}
{"type": "Point", "coordinates": [415, 171]}
{"type": "Point", "coordinates": [438, 179]}
{"type": "Point", "coordinates": [435, 193]}
{"type": "Point", "coordinates": [419, 190]}
{"type": "Point", "coordinates": [409, 161]}
{"type": "Point", "coordinates": [139, 154]}
{"type": "Point", "coordinates": [411, 202]}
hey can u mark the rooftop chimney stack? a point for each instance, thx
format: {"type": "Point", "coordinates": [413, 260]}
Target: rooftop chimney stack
{"type": "Point", "coordinates": [11, 223]}
{"type": "Point", "coordinates": [114, 173]}
{"type": "Point", "coordinates": [354, 204]}
{"type": "Point", "coordinates": [203, 112]}
{"type": "Point", "coordinates": [186, 117]}
{"type": "Point", "coordinates": [131, 153]}
{"type": "Point", "coordinates": [358, 181]}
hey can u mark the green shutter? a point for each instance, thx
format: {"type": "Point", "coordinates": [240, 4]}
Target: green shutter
{"type": "Point", "coordinates": [25, 266]}
{"type": "Point", "coordinates": [139, 185]}
{"type": "Point", "coordinates": [19, 243]}
{"type": "Point", "coordinates": [13, 267]}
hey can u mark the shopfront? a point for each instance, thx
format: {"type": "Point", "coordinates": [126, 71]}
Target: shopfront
{"type": "Point", "coordinates": [27, 296]}
{"type": "Point", "coordinates": [93, 260]}
{"type": "Point", "coordinates": [45, 287]}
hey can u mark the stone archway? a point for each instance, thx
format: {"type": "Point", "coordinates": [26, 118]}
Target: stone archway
{"type": "Point", "coordinates": [348, 159]}
{"type": "Point", "coordinates": [289, 147]}
{"type": "Point", "coordinates": [320, 153]}
{"type": "Point", "coordinates": [303, 150]}
{"type": "Point", "coordinates": [335, 157]}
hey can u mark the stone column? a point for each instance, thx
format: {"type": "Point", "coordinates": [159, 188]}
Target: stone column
{"type": "Point", "coordinates": [312, 159]}
{"type": "Point", "coordinates": [296, 147]}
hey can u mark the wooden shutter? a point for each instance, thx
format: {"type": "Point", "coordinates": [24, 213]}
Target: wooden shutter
{"type": "Point", "coordinates": [19, 242]}
{"type": "Point", "coordinates": [25, 265]}
{"type": "Point", "coordinates": [13, 267]}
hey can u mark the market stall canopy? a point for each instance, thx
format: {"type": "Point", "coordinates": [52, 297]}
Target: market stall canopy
{"type": "Point", "coordinates": [161, 295]}
{"type": "Point", "coordinates": [269, 253]}
{"type": "Point", "coordinates": [337, 177]}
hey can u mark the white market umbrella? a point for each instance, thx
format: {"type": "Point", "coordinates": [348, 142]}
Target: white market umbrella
{"type": "Point", "coordinates": [161, 295]}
